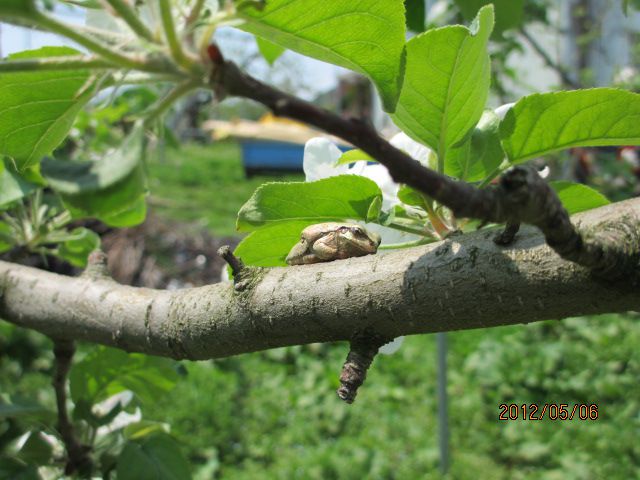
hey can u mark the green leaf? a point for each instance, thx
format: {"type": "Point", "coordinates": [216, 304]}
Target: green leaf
{"type": "Point", "coordinates": [6, 242]}
{"type": "Point", "coordinates": [270, 51]}
{"type": "Point", "coordinates": [76, 250]}
{"type": "Point", "coordinates": [17, 8]}
{"type": "Point", "coordinates": [337, 198]}
{"type": "Point", "coordinates": [577, 197]}
{"type": "Point", "coordinates": [17, 470]}
{"type": "Point", "coordinates": [109, 188]}
{"type": "Point", "coordinates": [509, 13]}
{"type": "Point", "coordinates": [107, 371]}
{"type": "Point", "coordinates": [36, 450]}
{"type": "Point", "coordinates": [12, 410]}
{"type": "Point", "coordinates": [481, 155]}
{"type": "Point", "coordinates": [415, 15]}
{"type": "Point", "coordinates": [37, 109]}
{"type": "Point", "coordinates": [158, 458]}
{"type": "Point", "coordinates": [354, 155]}
{"type": "Point", "coordinates": [543, 123]}
{"type": "Point", "coordinates": [131, 217]}
{"type": "Point", "coordinates": [12, 186]}
{"type": "Point", "coordinates": [446, 84]}
{"type": "Point", "coordinates": [367, 36]}
{"type": "Point", "coordinates": [409, 196]}
{"type": "Point", "coordinates": [142, 429]}
{"type": "Point", "coordinates": [269, 246]}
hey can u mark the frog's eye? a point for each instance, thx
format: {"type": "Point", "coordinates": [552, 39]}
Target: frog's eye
{"type": "Point", "coordinates": [358, 230]}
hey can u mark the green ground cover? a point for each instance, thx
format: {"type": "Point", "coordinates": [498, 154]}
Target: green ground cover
{"type": "Point", "coordinates": [204, 184]}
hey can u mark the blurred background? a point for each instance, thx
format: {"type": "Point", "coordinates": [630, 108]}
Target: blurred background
{"type": "Point", "coordinates": [274, 415]}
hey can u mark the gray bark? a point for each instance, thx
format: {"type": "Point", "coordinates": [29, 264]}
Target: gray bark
{"type": "Point", "coordinates": [461, 283]}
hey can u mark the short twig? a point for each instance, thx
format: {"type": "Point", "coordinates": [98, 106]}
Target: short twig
{"type": "Point", "coordinates": [506, 236]}
{"type": "Point", "coordinates": [363, 349]}
{"type": "Point", "coordinates": [234, 262]}
{"type": "Point", "coordinates": [78, 459]}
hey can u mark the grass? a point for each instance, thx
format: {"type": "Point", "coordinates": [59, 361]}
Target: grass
{"type": "Point", "coordinates": [204, 184]}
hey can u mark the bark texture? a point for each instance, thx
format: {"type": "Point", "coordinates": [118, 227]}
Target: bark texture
{"type": "Point", "coordinates": [461, 283]}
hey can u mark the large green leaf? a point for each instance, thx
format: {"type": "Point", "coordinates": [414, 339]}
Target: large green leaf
{"type": "Point", "coordinates": [156, 458]}
{"type": "Point", "coordinates": [446, 83]}
{"type": "Point", "coordinates": [108, 188]}
{"type": "Point", "coordinates": [509, 13]}
{"type": "Point", "coordinates": [12, 186]}
{"type": "Point", "coordinates": [107, 371]}
{"type": "Point", "coordinates": [481, 154]}
{"type": "Point", "coordinates": [542, 123]}
{"type": "Point", "coordinates": [367, 36]}
{"type": "Point", "coordinates": [269, 246]}
{"type": "Point", "coordinates": [336, 198]}
{"type": "Point", "coordinates": [37, 109]}
{"type": "Point", "coordinates": [576, 197]}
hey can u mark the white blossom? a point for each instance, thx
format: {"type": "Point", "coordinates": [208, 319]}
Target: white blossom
{"type": "Point", "coordinates": [502, 110]}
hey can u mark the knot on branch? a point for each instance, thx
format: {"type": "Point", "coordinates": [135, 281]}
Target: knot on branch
{"type": "Point", "coordinates": [97, 268]}
{"type": "Point", "coordinates": [363, 348]}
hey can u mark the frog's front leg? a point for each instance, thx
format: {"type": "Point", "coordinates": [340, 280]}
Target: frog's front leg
{"type": "Point", "coordinates": [326, 248]}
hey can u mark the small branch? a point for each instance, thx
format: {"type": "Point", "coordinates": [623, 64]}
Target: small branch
{"type": "Point", "coordinates": [167, 102]}
{"type": "Point", "coordinates": [195, 12]}
{"type": "Point", "coordinates": [171, 36]}
{"type": "Point", "coordinates": [559, 69]}
{"type": "Point", "coordinates": [57, 63]}
{"type": "Point", "coordinates": [78, 459]}
{"type": "Point", "coordinates": [363, 349]}
{"type": "Point", "coordinates": [130, 16]}
{"type": "Point", "coordinates": [105, 51]}
{"type": "Point", "coordinates": [234, 262]}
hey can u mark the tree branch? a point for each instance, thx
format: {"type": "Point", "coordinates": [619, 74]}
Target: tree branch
{"type": "Point", "coordinates": [521, 197]}
{"type": "Point", "coordinates": [78, 459]}
{"type": "Point", "coordinates": [463, 282]}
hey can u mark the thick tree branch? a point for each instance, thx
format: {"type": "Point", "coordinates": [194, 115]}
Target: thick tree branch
{"type": "Point", "coordinates": [461, 283]}
{"type": "Point", "coordinates": [521, 197]}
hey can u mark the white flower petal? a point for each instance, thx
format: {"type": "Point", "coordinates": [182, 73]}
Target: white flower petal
{"type": "Point", "coordinates": [414, 149]}
{"type": "Point", "coordinates": [544, 173]}
{"type": "Point", "coordinates": [380, 175]}
{"type": "Point", "coordinates": [502, 110]}
{"type": "Point", "coordinates": [391, 347]}
{"type": "Point", "coordinates": [320, 157]}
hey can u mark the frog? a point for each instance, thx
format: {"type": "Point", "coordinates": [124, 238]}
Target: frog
{"type": "Point", "coordinates": [325, 242]}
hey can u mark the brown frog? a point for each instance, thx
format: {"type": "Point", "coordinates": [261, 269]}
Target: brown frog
{"type": "Point", "coordinates": [325, 242]}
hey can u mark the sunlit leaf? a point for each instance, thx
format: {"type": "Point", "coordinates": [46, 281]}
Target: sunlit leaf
{"type": "Point", "coordinates": [367, 36]}
{"type": "Point", "coordinates": [38, 108]}
{"type": "Point", "coordinates": [576, 197]}
{"type": "Point", "coordinates": [446, 83]}
{"type": "Point", "coordinates": [336, 198]}
{"type": "Point", "coordinates": [546, 122]}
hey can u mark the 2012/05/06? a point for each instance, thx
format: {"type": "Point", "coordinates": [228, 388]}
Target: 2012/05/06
{"type": "Point", "coordinates": [552, 411]}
